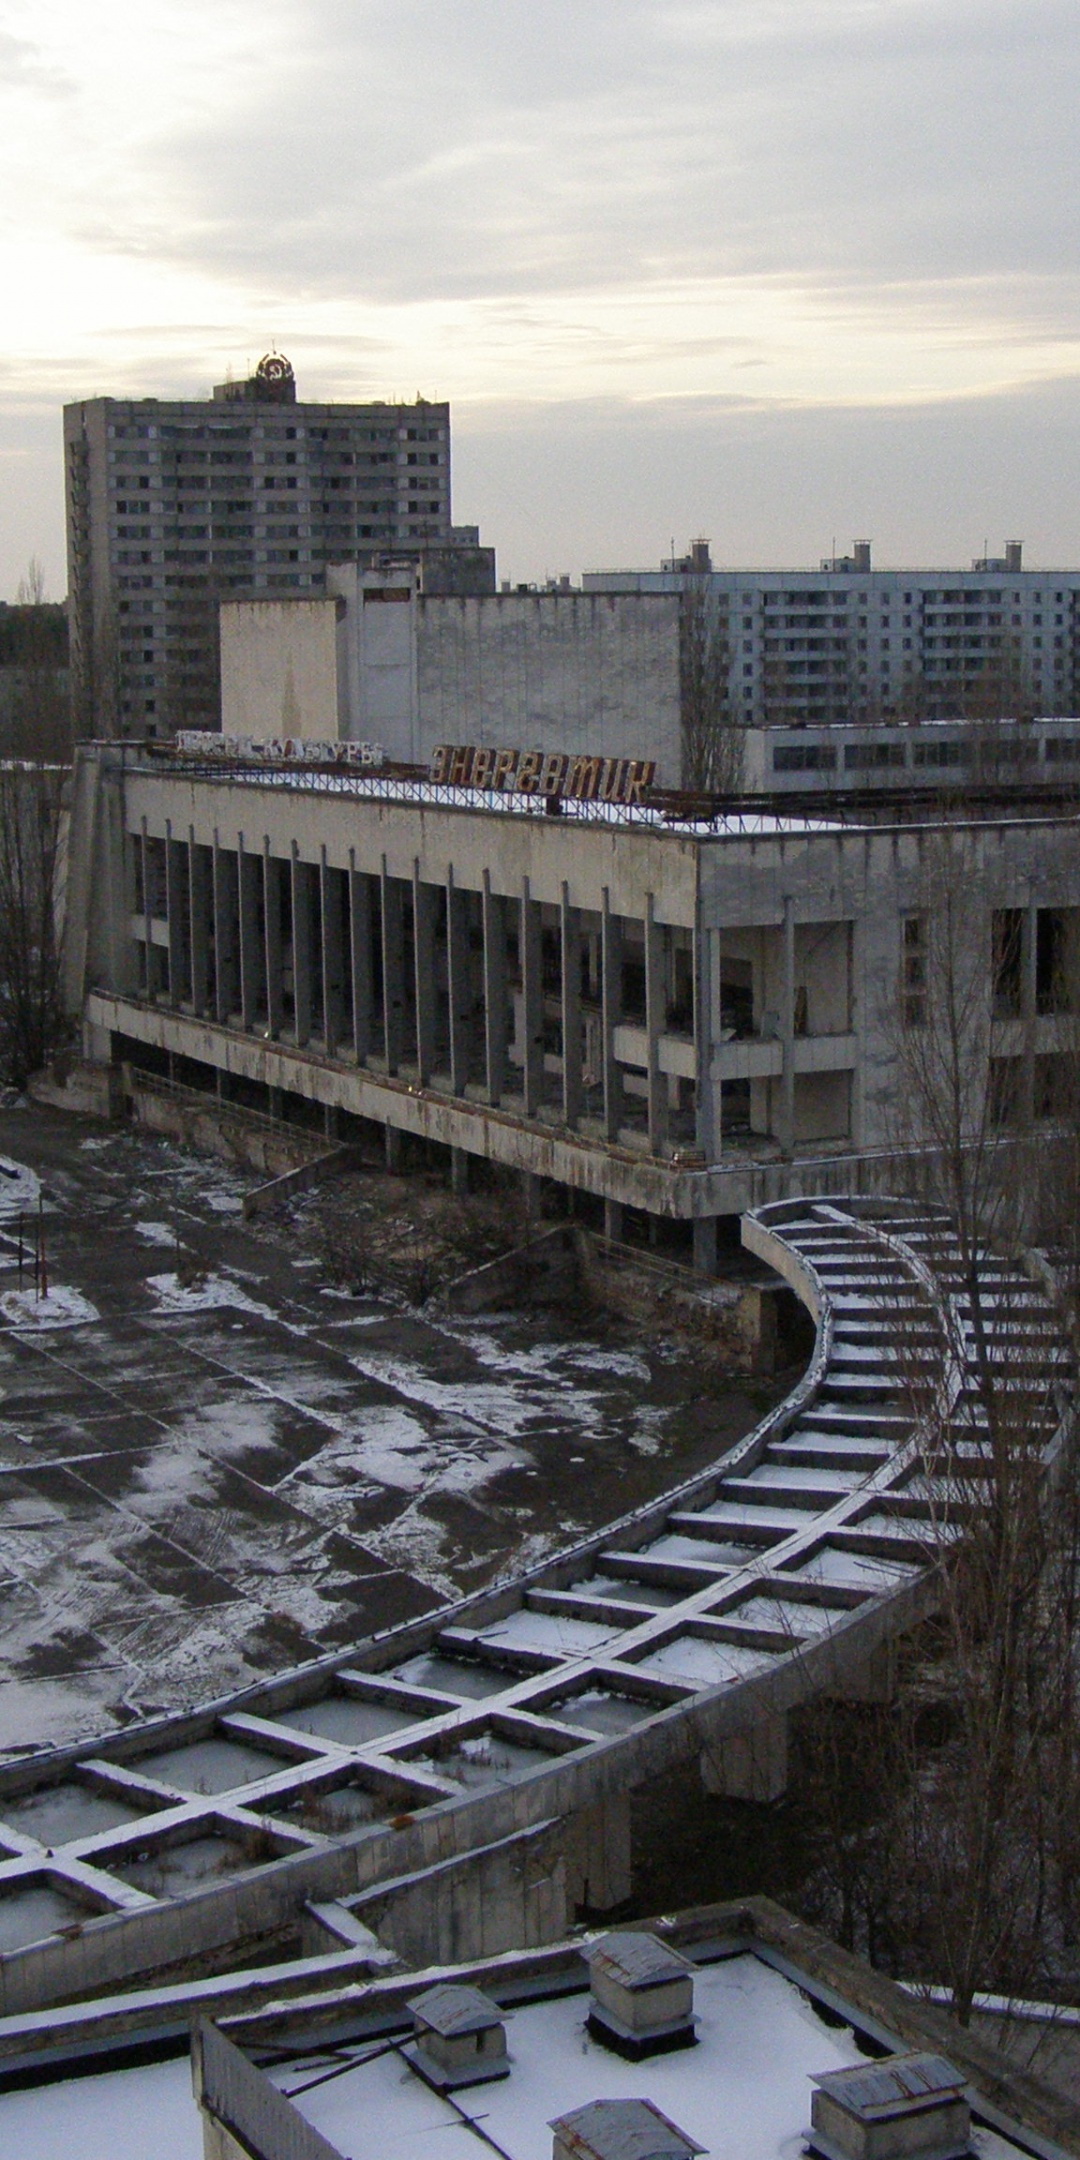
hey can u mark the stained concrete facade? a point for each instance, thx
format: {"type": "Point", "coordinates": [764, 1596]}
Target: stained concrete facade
{"type": "Point", "coordinates": [538, 670]}
{"type": "Point", "coordinates": [684, 1019]}
{"type": "Point", "coordinates": [279, 668]}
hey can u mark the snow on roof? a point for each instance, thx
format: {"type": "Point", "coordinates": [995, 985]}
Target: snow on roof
{"type": "Point", "coordinates": [898, 2086]}
{"type": "Point", "coordinates": [622, 2130]}
{"type": "Point", "coordinates": [449, 2008]}
{"type": "Point", "coordinates": [637, 1959]}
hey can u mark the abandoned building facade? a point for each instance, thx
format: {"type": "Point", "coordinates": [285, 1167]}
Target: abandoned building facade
{"type": "Point", "coordinates": [676, 1017]}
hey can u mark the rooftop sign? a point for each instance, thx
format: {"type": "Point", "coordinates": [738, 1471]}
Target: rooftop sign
{"type": "Point", "coordinates": [580, 777]}
{"type": "Point", "coordinates": [287, 750]}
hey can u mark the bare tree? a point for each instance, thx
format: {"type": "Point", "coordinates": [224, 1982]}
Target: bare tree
{"type": "Point", "coordinates": [32, 840]}
{"type": "Point", "coordinates": [33, 646]}
{"type": "Point", "coordinates": [988, 1882]}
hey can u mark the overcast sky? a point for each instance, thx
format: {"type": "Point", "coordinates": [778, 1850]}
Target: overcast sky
{"type": "Point", "coordinates": [777, 271]}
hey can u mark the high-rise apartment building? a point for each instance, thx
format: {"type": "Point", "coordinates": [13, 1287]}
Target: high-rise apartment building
{"type": "Point", "coordinates": [850, 644]}
{"type": "Point", "coordinates": [173, 504]}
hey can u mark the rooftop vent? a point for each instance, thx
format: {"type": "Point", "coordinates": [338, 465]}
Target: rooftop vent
{"type": "Point", "coordinates": [620, 2130]}
{"type": "Point", "coordinates": [907, 2107]}
{"type": "Point", "coordinates": [459, 2037]}
{"type": "Point", "coordinates": [642, 1995]}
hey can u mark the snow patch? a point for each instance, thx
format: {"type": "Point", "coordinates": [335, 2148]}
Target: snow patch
{"type": "Point", "coordinates": [208, 1294]}
{"type": "Point", "coordinates": [63, 1307]}
{"type": "Point", "coordinates": [157, 1233]}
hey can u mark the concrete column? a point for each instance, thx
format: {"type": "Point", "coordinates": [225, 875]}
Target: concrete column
{"type": "Point", "coordinates": [611, 1016]}
{"type": "Point", "coordinates": [786, 1133]}
{"type": "Point", "coordinates": [654, 1027]}
{"type": "Point", "coordinates": [706, 1034]}
{"type": "Point", "coordinates": [226, 929]}
{"type": "Point", "coordinates": [301, 948]}
{"type": "Point", "coordinates": [613, 1220]}
{"type": "Point", "coordinates": [331, 955]}
{"type": "Point", "coordinates": [393, 1148]}
{"type": "Point", "coordinates": [424, 962]}
{"type": "Point", "coordinates": [174, 907]}
{"type": "Point", "coordinates": [360, 957]}
{"type": "Point", "coordinates": [532, 999]}
{"type": "Point", "coordinates": [1029, 948]}
{"type": "Point", "coordinates": [494, 918]}
{"type": "Point", "coordinates": [272, 869]}
{"type": "Point", "coordinates": [570, 928]}
{"type": "Point", "coordinates": [459, 1171]}
{"type": "Point", "coordinates": [705, 1244]}
{"type": "Point", "coordinates": [198, 886]}
{"type": "Point", "coordinates": [251, 960]}
{"type": "Point", "coordinates": [459, 982]}
{"type": "Point", "coordinates": [393, 964]}
{"type": "Point", "coordinates": [147, 913]}
{"type": "Point", "coordinates": [751, 1765]}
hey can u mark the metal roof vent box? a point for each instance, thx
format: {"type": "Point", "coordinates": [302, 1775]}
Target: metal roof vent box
{"type": "Point", "coordinates": [642, 1995]}
{"type": "Point", "coordinates": [620, 2130]}
{"type": "Point", "coordinates": [459, 2037]}
{"type": "Point", "coordinates": [906, 2107]}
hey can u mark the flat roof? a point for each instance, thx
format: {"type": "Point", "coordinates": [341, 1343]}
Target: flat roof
{"type": "Point", "coordinates": [743, 2091]}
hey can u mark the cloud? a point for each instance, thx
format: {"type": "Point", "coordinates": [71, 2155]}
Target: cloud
{"type": "Point", "coordinates": [724, 206]}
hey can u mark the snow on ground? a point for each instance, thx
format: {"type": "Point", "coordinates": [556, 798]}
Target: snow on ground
{"type": "Point", "coordinates": [62, 1307]}
{"type": "Point", "coordinates": [207, 1294]}
{"type": "Point", "coordinates": [156, 1233]}
{"type": "Point", "coordinates": [20, 1190]}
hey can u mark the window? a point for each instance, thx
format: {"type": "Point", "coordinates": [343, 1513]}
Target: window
{"type": "Point", "coordinates": [804, 757]}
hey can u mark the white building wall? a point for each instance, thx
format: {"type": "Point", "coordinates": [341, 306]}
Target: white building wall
{"type": "Point", "coordinates": [279, 669]}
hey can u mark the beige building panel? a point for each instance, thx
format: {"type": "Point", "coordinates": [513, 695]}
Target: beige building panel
{"type": "Point", "coordinates": [279, 671]}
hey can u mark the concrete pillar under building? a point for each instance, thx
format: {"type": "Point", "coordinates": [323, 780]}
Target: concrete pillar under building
{"type": "Point", "coordinates": [705, 1244]}
{"type": "Point", "coordinates": [143, 845]}
{"type": "Point", "coordinates": [252, 962]}
{"type": "Point", "coordinates": [331, 953]}
{"type": "Point", "coordinates": [1029, 950]}
{"type": "Point", "coordinates": [272, 955]}
{"type": "Point", "coordinates": [459, 1171]}
{"type": "Point", "coordinates": [393, 1148]}
{"type": "Point", "coordinates": [494, 926]}
{"type": "Point", "coordinates": [226, 932]}
{"type": "Point", "coordinates": [199, 892]}
{"type": "Point", "coordinates": [786, 1132]}
{"type": "Point", "coordinates": [426, 988]}
{"type": "Point", "coordinates": [611, 1015]}
{"type": "Point", "coordinates": [459, 982]}
{"type": "Point", "coordinates": [360, 958]}
{"type": "Point", "coordinates": [301, 949]}
{"type": "Point", "coordinates": [570, 939]}
{"type": "Point", "coordinates": [655, 1003]}
{"type": "Point", "coordinates": [393, 968]}
{"type": "Point", "coordinates": [613, 1220]}
{"type": "Point", "coordinates": [532, 1001]}
{"type": "Point", "coordinates": [178, 918]}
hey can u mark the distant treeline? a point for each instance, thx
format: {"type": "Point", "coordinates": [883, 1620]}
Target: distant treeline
{"type": "Point", "coordinates": [33, 635]}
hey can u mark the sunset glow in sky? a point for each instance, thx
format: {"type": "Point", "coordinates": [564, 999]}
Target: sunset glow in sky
{"type": "Point", "coordinates": [778, 271]}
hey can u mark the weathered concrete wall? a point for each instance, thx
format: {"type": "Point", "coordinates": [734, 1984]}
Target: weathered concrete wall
{"type": "Point", "coordinates": [279, 668]}
{"type": "Point", "coordinates": [733, 1323]}
{"type": "Point", "coordinates": [207, 1128]}
{"type": "Point", "coordinates": [553, 671]}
